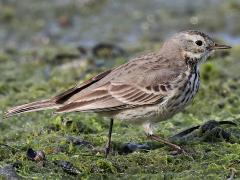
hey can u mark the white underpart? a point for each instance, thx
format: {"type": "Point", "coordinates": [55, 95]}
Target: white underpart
{"type": "Point", "coordinates": [201, 56]}
{"type": "Point", "coordinates": [148, 128]}
{"type": "Point", "coordinates": [194, 55]}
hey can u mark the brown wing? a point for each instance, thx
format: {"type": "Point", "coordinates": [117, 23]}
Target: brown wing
{"type": "Point", "coordinates": [112, 97]}
{"type": "Point", "coordinates": [142, 82]}
{"type": "Point", "coordinates": [63, 97]}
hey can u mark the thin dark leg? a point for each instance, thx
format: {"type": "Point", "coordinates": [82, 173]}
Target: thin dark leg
{"type": "Point", "coordinates": [109, 138]}
{"type": "Point", "coordinates": [171, 145]}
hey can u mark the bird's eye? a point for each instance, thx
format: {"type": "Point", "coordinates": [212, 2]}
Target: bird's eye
{"type": "Point", "coordinates": [199, 42]}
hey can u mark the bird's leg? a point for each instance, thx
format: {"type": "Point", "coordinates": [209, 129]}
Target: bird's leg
{"type": "Point", "coordinates": [107, 150]}
{"type": "Point", "coordinates": [161, 140]}
{"type": "Point", "coordinates": [149, 132]}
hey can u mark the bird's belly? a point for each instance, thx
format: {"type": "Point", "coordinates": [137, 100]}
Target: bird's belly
{"type": "Point", "coordinates": [138, 114]}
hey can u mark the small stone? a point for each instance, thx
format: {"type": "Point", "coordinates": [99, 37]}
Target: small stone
{"type": "Point", "coordinates": [35, 155]}
{"type": "Point", "coordinates": [67, 167]}
{"type": "Point", "coordinates": [9, 172]}
{"type": "Point", "coordinates": [131, 147]}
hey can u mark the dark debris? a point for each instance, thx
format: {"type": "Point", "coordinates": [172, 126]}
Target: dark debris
{"type": "Point", "coordinates": [37, 156]}
{"type": "Point", "coordinates": [208, 126]}
{"type": "Point", "coordinates": [78, 142]}
{"type": "Point", "coordinates": [132, 147]}
{"type": "Point", "coordinates": [209, 131]}
{"type": "Point", "coordinates": [67, 167]}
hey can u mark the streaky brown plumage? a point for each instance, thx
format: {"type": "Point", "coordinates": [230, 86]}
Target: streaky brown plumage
{"type": "Point", "coordinates": [34, 106]}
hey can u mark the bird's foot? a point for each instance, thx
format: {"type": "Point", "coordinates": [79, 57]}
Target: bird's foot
{"type": "Point", "coordinates": [176, 149]}
{"type": "Point", "coordinates": [166, 142]}
{"type": "Point", "coordinates": [107, 151]}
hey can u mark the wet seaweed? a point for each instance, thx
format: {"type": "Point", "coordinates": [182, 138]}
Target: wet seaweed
{"type": "Point", "coordinates": [44, 52]}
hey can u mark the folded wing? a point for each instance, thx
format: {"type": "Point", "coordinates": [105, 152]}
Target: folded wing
{"type": "Point", "coordinates": [145, 84]}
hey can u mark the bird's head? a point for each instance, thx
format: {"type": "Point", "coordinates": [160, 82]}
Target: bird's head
{"type": "Point", "coordinates": [193, 45]}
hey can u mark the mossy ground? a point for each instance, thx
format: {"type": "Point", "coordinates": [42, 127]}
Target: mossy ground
{"type": "Point", "coordinates": [32, 73]}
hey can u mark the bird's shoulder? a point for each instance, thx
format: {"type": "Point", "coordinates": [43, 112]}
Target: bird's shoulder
{"type": "Point", "coordinates": [151, 68]}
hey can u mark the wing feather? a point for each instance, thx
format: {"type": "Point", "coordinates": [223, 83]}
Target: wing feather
{"type": "Point", "coordinates": [136, 83]}
{"type": "Point", "coordinates": [118, 97]}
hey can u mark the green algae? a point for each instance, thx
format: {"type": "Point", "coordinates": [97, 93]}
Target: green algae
{"type": "Point", "coordinates": [50, 67]}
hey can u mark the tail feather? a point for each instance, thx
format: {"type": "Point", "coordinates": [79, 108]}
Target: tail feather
{"type": "Point", "coordinates": [34, 106]}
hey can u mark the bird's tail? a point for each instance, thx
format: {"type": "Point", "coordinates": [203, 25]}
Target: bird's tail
{"type": "Point", "coordinates": [34, 106]}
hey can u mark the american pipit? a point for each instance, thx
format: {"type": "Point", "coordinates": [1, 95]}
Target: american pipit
{"type": "Point", "coordinates": [146, 90]}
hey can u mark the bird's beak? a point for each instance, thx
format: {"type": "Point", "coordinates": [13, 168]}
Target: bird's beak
{"type": "Point", "coordinates": [221, 46]}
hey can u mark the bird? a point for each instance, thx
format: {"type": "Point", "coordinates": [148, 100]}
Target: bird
{"type": "Point", "coordinates": [146, 90]}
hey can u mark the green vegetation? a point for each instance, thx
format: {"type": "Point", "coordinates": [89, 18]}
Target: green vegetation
{"type": "Point", "coordinates": [74, 143]}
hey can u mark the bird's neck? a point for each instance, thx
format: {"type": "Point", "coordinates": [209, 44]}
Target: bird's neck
{"type": "Point", "coordinates": [171, 53]}
{"type": "Point", "coordinates": [193, 63]}
{"type": "Point", "coordinates": [196, 57]}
